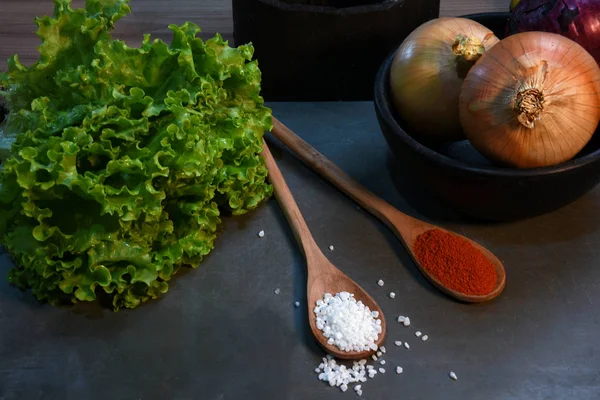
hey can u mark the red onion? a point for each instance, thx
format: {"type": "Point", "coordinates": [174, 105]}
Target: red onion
{"type": "Point", "coordinates": [579, 20]}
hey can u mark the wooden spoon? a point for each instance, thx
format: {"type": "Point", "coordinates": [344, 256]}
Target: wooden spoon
{"type": "Point", "coordinates": [323, 276]}
{"type": "Point", "coordinates": [405, 227]}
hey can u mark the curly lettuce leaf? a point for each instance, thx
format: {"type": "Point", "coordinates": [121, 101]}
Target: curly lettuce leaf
{"type": "Point", "coordinates": [124, 158]}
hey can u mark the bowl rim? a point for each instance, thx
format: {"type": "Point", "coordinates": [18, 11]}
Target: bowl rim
{"type": "Point", "coordinates": [385, 110]}
{"type": "Point", "coordinates": [340, 11]}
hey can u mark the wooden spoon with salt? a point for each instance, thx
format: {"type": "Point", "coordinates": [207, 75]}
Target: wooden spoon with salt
{"type": "Point", "coordinates": [405, 227]}
{"type": "Point", "coordinates": [323, 276]}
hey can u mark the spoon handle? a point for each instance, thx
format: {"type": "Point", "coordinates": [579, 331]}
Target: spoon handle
{"type": "Point", "coordinates": [289, 206]}
{"type": "Point", "coordinates": [386, 213]}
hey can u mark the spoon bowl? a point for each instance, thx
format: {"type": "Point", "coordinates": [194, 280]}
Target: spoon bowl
{"type": "Point", "coordinates": [323, 276]}
{"type": "Point", "coordinates": [409, 237]}
{"type": "Point", "coordinates": [329, 279]}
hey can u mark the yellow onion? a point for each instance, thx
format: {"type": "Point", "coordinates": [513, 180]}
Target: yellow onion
{"type": "Point", "coordinates": [428, 70]}
{"type": "Point", "coordinates": [532, 101]}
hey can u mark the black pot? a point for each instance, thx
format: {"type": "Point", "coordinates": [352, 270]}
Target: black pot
{"type": "Point", "coordinates": [318, 50]}
{"type": "Point", "coordinates": [458, 175]}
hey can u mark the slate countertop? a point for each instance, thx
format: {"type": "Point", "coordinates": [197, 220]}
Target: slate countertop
{"type": "Point", "coordinates": [221, 332]}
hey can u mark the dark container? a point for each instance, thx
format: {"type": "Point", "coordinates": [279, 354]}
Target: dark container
{"type": "Point", "coordinates": [458, 175]}
{"type": "Point", "coordinates": [325, 50]}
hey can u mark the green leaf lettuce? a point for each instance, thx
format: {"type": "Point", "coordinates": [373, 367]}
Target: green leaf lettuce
{"type": "Point", "coordinates": [124, 158]}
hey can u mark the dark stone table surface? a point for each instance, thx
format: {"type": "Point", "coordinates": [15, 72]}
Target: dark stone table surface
{"type": "Point", "coordinates": [221, 332]}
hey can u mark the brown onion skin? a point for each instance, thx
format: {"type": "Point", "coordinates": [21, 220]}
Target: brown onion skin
{"type": "Point", "coordinates": [426, 76]}
{"type": "Point", "coordinates": [570, 111]}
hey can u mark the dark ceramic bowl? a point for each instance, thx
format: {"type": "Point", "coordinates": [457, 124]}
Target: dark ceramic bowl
{"type": "Point", "coordinates": [458, 175]}
{"type": "Point", "coordinates": [313, 50]}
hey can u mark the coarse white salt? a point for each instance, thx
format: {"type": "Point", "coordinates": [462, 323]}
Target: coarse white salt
{"type": "Point", "coordinates": [380, 282]}
{"type": "Point", "coordinates": [261, 234]}
{"type": "Point", "coordinates": [398, 343]}
{"type": "Point", "coordinates": [406, 321]}
{"type": "Point", "coordinates": [382, 349]}
{"type": "Point", "coordinates": [359, 392]}
{"type": "Point", "coordinates": [399, 370]}
{"type": "Point", "coordinates": [331, 247]}
{"type": "Point", "coordinates": [334, 374]}
{"type": "Point", "coordinates": [424, 338]}
{"type": "Point", "coordinates": [453, 375]}
{"type": "Point", "coordinates": [277, 291]}
{"type": "Point", "coordinates": [382, 362]}
{"type": "Point", "coordinates": [379, 354]}
{"type": "Point", "coordinates": [346, 323]}
{"type": "Point", "coordinates": [297, 304]}
{"type": "Point", "coordinates": [401, 319]}
{"type": "Point", "coordinates": [374, 357]}
{"type": "Point", "coordinates": [418, 333]}
{"type": "Point", "coordinates": [406, 345]}
{"type": "Point", "coordinates": [382, 370]}
{"type": "Point", "coordinates": [392, 295]}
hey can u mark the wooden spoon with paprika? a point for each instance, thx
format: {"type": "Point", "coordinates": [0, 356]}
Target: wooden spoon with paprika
{"type": "Point", "coordinates": [457, 266]}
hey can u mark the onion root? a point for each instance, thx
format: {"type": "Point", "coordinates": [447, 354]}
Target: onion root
{"type": "Point", "coordinates": [468, 50]}
{"type": "Point", "coordinates": [529, 105]}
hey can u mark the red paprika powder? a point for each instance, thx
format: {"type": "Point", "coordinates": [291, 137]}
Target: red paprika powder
{"type": "Point", "coordinates": [455, 262]}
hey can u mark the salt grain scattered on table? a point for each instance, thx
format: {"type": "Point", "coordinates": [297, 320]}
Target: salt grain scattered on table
{"type": "Point", "coordinates": [399, 370]}
{"type": "Point", "coordinates": [380, 282]}
{"type": "Point", "coordinates": [382, 370]}
{"type": "Point", "coordinates": [340, 376]}
{"type": "Point", "coordinates": [424, 338]}
{"type": "Point", "coordinates": [261, 234]}
{"type": "Point", "coordinates": [297, 304]}
{"type": "Point", "coordinates": [358, 390]}
{"type": "Point", "coordinates": [382, 362]}
{"type": "Point", "coordinates": [277, 291]}
{"type": "Point", "coordinates": [392, 295]}
{"type": "Point", "coordinates": [331, 247]}
{"type": "Point", "coordinates": [382, 349]}
{"type": "Point", "coordinates": [453, 375]}
{"type": "Point", "coordinates": [406, 345]}
{"type": "Point", "coordinates": [401, 319]}
{"type": "Point", "coordinates": [418, 333]}
{"type": "Point", "coordinates": [398, 343]}
{"type": "Point", "coordinates": [406, 321]}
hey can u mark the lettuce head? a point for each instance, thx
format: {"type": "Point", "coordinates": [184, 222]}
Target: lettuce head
{"type": "Point", "coordinates": [124, 158]}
